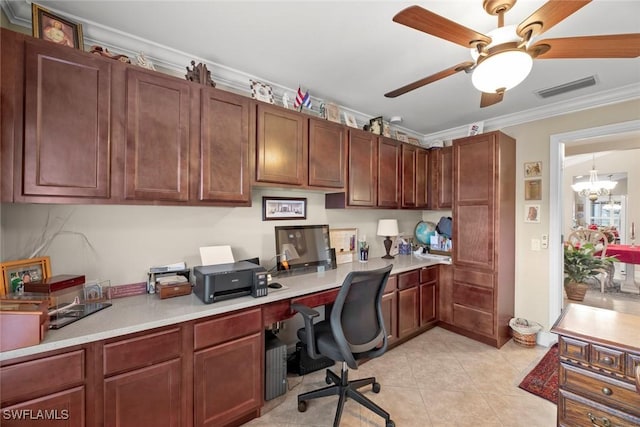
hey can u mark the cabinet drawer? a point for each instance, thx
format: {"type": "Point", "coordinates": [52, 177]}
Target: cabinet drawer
{"type": "Point", "coordinates": [141, 351]}
{"type": "Point", "coordinates": [573, 349]}
{"type": "Point", "coordinates": [428, 274]}
{"type": "Point", "coordinates": [607, 390]}
{"type": "Point", "coordinates": [473, 277]}
{"type": "Point", "coordinates": [473, 296]}
{"type": "Point", "coordinates": [42, 376]}
{"type": "Point", "coordinates": [607, 358]}
{"type": "Point", "coordinates": [408, 279]}
{"type": "Point", "coordinates": [225, 328]}
{"type": "Point", "coordinates": [392, 284]}
{"type": "Point", "coordinates": [576, 411]}
{"type": "Point", "coordinates": [473, 320]}
{"type": "Point", "coordinates": [632, 363]}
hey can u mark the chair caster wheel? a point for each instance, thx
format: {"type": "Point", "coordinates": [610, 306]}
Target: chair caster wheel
{"type": "Point", "coordinates": [328, 380]}
{"type": "Point", "coordinates": [376, 389]}
{"type": "Point", "coordinates": [390, 424]}
{"type": "Point", "coordinates": [302, 407]}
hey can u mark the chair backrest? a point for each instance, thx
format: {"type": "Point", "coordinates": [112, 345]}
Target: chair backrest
{"type": "Point", "coordinates": [356, 317]}
{"type": "Point", "coordinates": [583, 235]}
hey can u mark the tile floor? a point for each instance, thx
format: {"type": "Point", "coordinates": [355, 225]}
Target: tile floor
{"type": "Point", "coordinates": [617, 301]}
{"type": "Point", "coordinates": [438, 379]}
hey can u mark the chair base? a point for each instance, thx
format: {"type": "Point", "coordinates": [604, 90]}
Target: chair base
{"type": "Point", "coordinates": [345, 389]}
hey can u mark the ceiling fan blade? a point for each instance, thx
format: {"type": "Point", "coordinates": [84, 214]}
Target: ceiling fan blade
{"type": "Point", "coordinates": [425, 81]}
{"type": "Point", "coordinates": [548, 16]}
{"type": "Point", "coordinates": [608, 46]}
{"type": "Point", "coordinates": [430, 23]}
{"type": "Point", "coordinates": [489, 99]}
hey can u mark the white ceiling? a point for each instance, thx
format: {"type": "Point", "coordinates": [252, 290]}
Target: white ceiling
{"type": "Point", "coordinates": [351, 53]}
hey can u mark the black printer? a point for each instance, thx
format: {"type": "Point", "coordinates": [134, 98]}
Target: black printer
{"type": "Point", "coordinates": [224, 281]}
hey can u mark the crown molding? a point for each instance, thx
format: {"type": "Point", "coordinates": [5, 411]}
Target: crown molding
{"type": "Point", "coordinates": [174, 62]}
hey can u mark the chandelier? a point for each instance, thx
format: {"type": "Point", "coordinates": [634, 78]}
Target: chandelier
{"type": "Point", "coordinates": [611, 205]}
{"type": "Point", "coordinates": [594, 187]}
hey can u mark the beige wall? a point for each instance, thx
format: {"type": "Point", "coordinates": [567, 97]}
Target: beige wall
{"type": "Point", "coordinates": [122, 242]}
{"type": "Point", "coordinates": [533, 144]}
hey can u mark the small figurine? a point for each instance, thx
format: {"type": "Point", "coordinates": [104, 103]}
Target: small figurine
{"type": "Point", "coordinates": [200, 74]}
{"type": "Point", "coordinates": [144, 62]}
{"type": "Point", "coordinates": [286, 100]}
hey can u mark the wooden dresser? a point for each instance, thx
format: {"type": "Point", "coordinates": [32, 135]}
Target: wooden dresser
{"type": "Point", "coordinates": [599, 361]}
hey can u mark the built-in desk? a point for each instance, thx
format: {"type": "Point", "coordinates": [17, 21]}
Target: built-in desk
{"type": "Point", "coordinates": [204, 362]}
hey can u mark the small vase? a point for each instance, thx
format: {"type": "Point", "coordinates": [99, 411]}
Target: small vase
{"type": "Point", "coordinates": [575, 291]}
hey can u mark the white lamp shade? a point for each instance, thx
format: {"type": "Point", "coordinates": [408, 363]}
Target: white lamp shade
{"type": "Point", "coordinates": [387, 227]}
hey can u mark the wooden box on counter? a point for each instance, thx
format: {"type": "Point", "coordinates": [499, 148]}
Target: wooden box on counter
{"type": "Point", "coordinates": [23, 322]}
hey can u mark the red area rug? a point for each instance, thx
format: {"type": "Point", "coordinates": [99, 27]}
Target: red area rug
{"type": "Point", "coordinates": [543, 379]}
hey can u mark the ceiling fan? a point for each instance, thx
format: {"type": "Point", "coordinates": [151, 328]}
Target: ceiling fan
{"type": "Point", "coordinates": [503, 58]}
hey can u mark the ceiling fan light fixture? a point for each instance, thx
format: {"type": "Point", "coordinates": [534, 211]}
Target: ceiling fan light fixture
{"type": "Point", "coordinates": [502, 70]}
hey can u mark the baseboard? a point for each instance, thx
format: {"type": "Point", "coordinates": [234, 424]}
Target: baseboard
{"type": "Point", "coordinates": [546, 339]}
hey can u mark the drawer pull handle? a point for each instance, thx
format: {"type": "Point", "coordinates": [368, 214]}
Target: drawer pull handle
{"type": "Point", "coordinates": [607, 360]}
{"type": "Point", "coordinates": [594, 420]}
{"type": "Point", "coordinates": [607, 391]}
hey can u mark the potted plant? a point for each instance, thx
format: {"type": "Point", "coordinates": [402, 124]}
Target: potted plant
{"type": "Point", "coordinates": [580, 264]}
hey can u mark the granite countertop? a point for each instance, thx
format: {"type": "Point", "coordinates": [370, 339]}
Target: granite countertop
{"type": "Point", "coordinates": [144, 312]}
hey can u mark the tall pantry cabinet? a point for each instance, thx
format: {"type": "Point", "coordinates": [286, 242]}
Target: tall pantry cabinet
{"type": "Point", "coordinates": [484, 224]}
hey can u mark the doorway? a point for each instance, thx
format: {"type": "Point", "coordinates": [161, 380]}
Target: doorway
{"type": "Point", "coordinates": [557, 152]}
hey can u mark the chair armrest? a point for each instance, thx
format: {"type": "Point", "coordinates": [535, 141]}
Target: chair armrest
{"type": "Point", "coordinates": [308, 314]}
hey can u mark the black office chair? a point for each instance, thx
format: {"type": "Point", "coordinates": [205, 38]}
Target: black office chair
{"type": "Point", "coordinates": [355, 330]}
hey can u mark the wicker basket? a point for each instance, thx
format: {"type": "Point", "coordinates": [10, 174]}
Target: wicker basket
{"type": "Point", "coordinates": [524, 331]}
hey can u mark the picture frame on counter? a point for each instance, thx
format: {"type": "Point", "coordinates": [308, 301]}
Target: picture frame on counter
{"type": "Point", "coordinates": [16, 273]}
{"type": "Point", "coordinates": [55, 28]}
{"type": "Point", "coordinates": [281, 208]}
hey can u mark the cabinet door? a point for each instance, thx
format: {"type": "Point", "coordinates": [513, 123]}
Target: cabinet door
{"type": "Point", "coordinates": [66, 124]}
{"type": "Point", "coordinates": [327, 154]}
{"type": "Point", "coordinates": [157, 137]}
{"type": "Point", "coordinates": [473, 213]}
{"type": "Point", "coordinates": [422, 178]}
{"type": "Point", "coordinates": [388, 173]}
{"type": "Point", "coordinates": [445, 293]}
{"type": "Point", "coordinates": [363, 171]}
{"type": "Point", "coordinates": [224, 148]}
{"type": "Point", "coordinates": [428, 303]}
{"type": "Point", "coordinates": [281, 146]}
{"type": "Point", "coordinates": [442, 178]}
{"type": "Point", "coordinates": [66, 408]}
{"type": "Point", "coordinates": [150, 396]}
{"type": "Point", "coordinates": [409, 174]}
{"type": "Point", "coordinates": [228, 381]}
{"type": "Point", "coordinates": [390, 313]}
{"type": "Point", "coordinates": [408, 313]}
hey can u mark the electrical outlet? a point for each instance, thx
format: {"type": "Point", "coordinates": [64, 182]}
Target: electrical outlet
{"type": "Point", "coordinates": [545, 241]}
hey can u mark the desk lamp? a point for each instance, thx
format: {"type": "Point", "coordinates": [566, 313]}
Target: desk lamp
{"type": "Point", "coordinates": [387, 228]}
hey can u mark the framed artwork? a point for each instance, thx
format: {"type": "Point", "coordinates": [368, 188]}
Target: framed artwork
{"type": "Point", "coordinates": [386, 129]}
{"type": "Point", "coordinates": [533, 189]}
{"type": "Point", "coordinates": [412, 140]}
{"type": "Point", "coordinates": [475, 128]}
{"type": "Point", "coordinates": [16, 273]}
{"type": "Point", "coordinates": [333, 112]}
{"type": "Point", "coordinates": [401, 136]}
{"type": "Point", "coordinates": [532, 213]}
{"type": "Point", "coordinates": [350, 120]}
{"type": "Point", "coordinates": [54, 28]}
{"type": "Point", "coordinates": [532, 169]}
{"type": "Point", "coordinates": [261, 91]}
{"type": "Point", "coordinates": [276, 208]}
{"type": "Point", "coordinates": [375, 125]}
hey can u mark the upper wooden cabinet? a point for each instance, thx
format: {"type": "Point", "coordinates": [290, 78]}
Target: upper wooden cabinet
{"type": "Point", "coordinates": [441, 174]}
{"type": "Point", "coordinates": [66, 123]}
{"type": "Point", "coordinates": [327, 154]}
{"type": "Point", "coordinates": [388, 172]}
{"type": "Point", "coordinates": [414, 173]}
{"type": "Point", "coordinates": [222, 171]}
{"type": "Point", "coordinates": [281, 146]}
{"type": "Point", "coordinates": [362, 169]}
{"type": "Point", "coordinates": [157, 137]}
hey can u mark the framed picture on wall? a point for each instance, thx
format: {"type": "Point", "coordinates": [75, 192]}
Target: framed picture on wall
{"type": "Point", "coordinates": [532, 169]}
{"type": "Point", "coordinates": [532, 213]}
{"type": "Point", "coordinates": [274, 208]}
{"type": "Point", "coordinates": [533, 189]}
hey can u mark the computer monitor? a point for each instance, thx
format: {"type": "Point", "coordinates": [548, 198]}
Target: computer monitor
{"type": "Point", "coordinates": [303, 247]}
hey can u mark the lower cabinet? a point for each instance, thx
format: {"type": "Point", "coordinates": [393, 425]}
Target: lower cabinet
{"type": "Point", "coordinates": [149, 396]}
{"type": "Point", "coordinates": [65, 408]}
{"type": "Point", "coordinates": [428, 291]}
{"type": "Point", "coordinates": [390, 309]}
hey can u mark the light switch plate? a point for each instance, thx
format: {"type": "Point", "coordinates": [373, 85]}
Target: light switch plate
{"type": "Point", "coordinates": [535, 244]}
{"type": "Point", "coordinates": [545, 241]}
